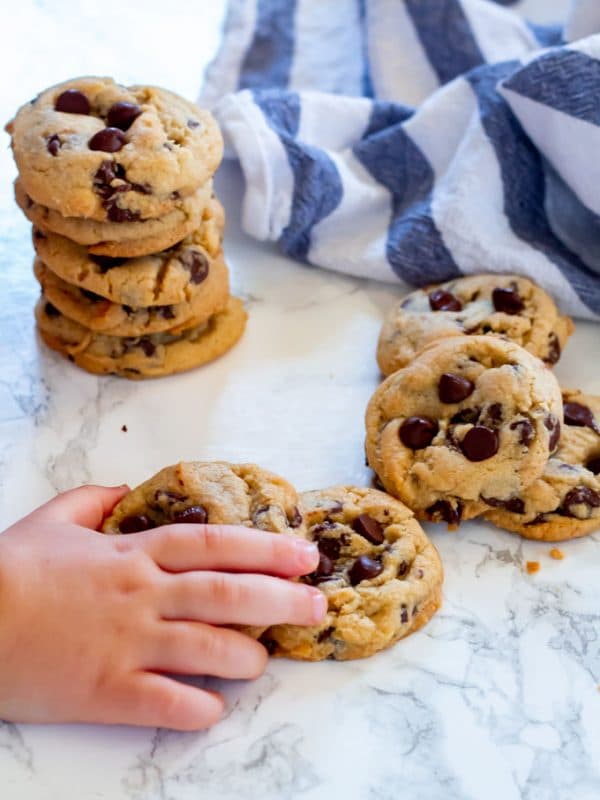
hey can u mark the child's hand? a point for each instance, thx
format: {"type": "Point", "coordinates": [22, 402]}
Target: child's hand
{"type": "Point", "coordinates": [89, 623]}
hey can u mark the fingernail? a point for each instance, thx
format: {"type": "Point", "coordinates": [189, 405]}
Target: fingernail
{"type": "Point", "coordinates": [319, 604]}
{"type": "Point", "coordinates": [307, 550]}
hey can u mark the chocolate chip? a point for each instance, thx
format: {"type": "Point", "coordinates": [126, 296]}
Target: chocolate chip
{"type": "Point", "coordinates": [147, 346]}
{"type": "Point", "coordinates": [296, 518]}
{"type": "Point", "coordinates": [165, 311]}
{"type": "Point", "coordinates": [514, 504]}
{"type": "Point", "coordinates": [197, 263]}
{"type": "Point", "coordinates": [554, 349]}
{"type": "Point", "coordinates": [444, 510]}
{"type": "Point", "coordinates": [454, 388]}
{"type": "Point", "coordinates": [364, 569]}
{"type": "Point", "coordinates": [594, 465]}
{"type": "Point", "coordinates": [493, 414]}
{"type": "Point", "coordinates": [38, 234]}
{"type": "Point", "coordinates": [404, 613]}
{"type": "Point", "coordinates": [418, 432]}
{"type": "Point", "coordinates": [479, 443]}
{"type": "Point", "coordinates": [402, 569]}
{"type": "Point", "coordinates": [194, 515]}
{"type": "Point", "coordinates": [193, 123]}
{"type": "Point", "coordinates": [135, 523]}
{"type": "Point", "coordinates": [122, 115]}
{"type": "Point", "coordinates": [440, 300]}
{"type": "Point", "coordinates": [580, 416]}
{"type": "Point", "coordinates": [324, 634]}
{"type": "Point", "coordinates": [107, 172]}
{"type": "Point", "coordinates": [553, 425]}
{"type": "Point", "coordinates": [53, 145]}
{"type": "Point", "coordinates": [525, 431]}
{"type": "Point", "coordinates": [509, 301]}
{"type": "Point", "coordinates": [106, 262]}
{"type": "Point", "coordinates": [116, 214]}
{"type": "Point", "coordinates": [269, 644]}
{"type": "Point", "coordinates": [467, 416]}
{"type": "Point", "coordinates": [538, 520]}
{"type": "Point", "coordinates": [324, 568]}
{"type": "Point", "coordinates": [368, 527]}
{"type": "Point", "coordinates": [580, 496]}
{"type": "Point", "coordinates": [72, 101]}
{"type": "Point", "coordinates": [51, 311]}
{"type": "Point", "coordinates": [108, 140]}
{"type": "Point", "coordinates": [329, 547]}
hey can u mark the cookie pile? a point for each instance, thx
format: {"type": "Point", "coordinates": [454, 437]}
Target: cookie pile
{"type": "Point", "coordinates": [471, 421]}
{"type": "Point", "coordinates": [380, 573]}
{"type": "Point", "coordinates": [127, 231]}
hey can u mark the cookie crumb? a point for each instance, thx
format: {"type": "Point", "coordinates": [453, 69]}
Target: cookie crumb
{"type": "Point", "coordinates": [532, 567]}
{"type": "Point", "coordinates": [124, 428]}
{"type": "Point", "coordinates": [557, 554]}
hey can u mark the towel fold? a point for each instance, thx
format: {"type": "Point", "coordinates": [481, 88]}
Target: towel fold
{"type": "Point", "coordinates": [418, 140]}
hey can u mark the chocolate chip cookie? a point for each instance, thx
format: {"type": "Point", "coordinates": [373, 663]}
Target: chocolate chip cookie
{"type": "Point", "coordinates": [472, 418]}
{"type": "Point", "coordinates": [123, 239]}
{"type": "Point", "coordinates": [380, 573]}
{"type": "Point", "coordinates": [209, 492]}
{"type": "Point", "coordinates": [91, 148]}
{"type": "Point", "coordinates": [140, 357]}
{"type": "Point", "coordinates": [164, 278]}
{"type": "Point", "coordinates": [565, 502]}
{"type": "Point", "coordinates": [101, 315]}
{"type": "Point", "coordinates": [505, 305]}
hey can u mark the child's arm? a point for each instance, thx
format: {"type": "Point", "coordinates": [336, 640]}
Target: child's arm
{"type": "Point", "coordinates": [90, 623]}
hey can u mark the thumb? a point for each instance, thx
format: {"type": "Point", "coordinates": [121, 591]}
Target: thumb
{"type": "Point", "coordinates": [86, 506]}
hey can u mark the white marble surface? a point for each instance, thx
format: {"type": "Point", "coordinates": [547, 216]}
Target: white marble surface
{"type": "Point", "coordinates": [497, 699]}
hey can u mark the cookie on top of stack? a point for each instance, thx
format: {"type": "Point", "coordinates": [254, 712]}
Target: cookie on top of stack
{"type": "Point", "coordinates": [117, 182]}
{"type": "Point", "coordinates": [471, 421]}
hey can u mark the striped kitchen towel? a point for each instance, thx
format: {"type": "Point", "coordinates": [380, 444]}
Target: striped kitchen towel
{"type": "Point", "coordinates": [418, 140]}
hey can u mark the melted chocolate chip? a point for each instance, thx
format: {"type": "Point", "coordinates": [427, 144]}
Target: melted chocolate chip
{"type": "Point", "coordinates": [135, 523]}
{"type": "Point", "coordinates": [454, 388]}
{"type": "Point", "coordinates": [364, 569]}
{"type": "Point", "coordinates": [404, 613]}
{"type": "Point", "coordinates": [440, 300]}
{"type": "Point", "coordinates": [580, 496]}
{"type": "Point", "coordinates": [165, 311]}
{"type": "Point", "coordinates": [92, 296]}
{"type": "Point", "coordinates": [418, 432]}
{"type": "Point", "coordinates": [193, 123]}
{"type": "Point", "coordinates": [369, 528]}
{"type": "Point", "coordinates": [194, 515]}
{"type": "Point", "coordinates": [295, 520]}
{"type": "Point", "coordinates": [445, 511]}
{"type": "Point", "coordinates": [554, 349]}
{"type": "Point", "coordinates": [525, 431]}
{"type": "Point", "coordinates": [514, 504]}
{"type": "Point", "coordinates": [324, 568]}
{"type": "Point", "coordinates": [51, 311]}
{"type": "Point", "coordinates": [106, 262]}
{"type": "Point", "coordinates": [493, 414]}
{"type": "Point", "coordinates": [553, 425]}
{"type": "Point", "coordinates": [594, 465]}
{"type": "Point", "coordinates": [509, 301]}
{"type": "Point", "coordinates": [324, 634]}
{"type": "Point", "coordinates": [107, 172]}
{"type": "Point", "coordinates": [108, 140]}
{"type": "Point", "coordinates": [479, 443]}
{"type": "Point", "coordinates": [269, 644]}
{"type": "Point", "coordinates": [53, 145]}
{"type": "Point", "coordinates": [466, 416]}
{"type": "Point", "coordinates": [122, 115]}
{"type": "Point", "coordinates": [402, 569]}
{"type": "Point", "coordinates": [148, 348]}
{"type": "Point", "coordinates": [116, 214]}
{"type": "Point", "coordinates": [197, 263]}
{"type": "Point", "coordinates": [329, 547]}
{"type": "Point", "coordinates": [72, 101]}
{"type": "Point", "coordinates": [38, 234]}
{"type": "Point", "coordinates": [579, 415]}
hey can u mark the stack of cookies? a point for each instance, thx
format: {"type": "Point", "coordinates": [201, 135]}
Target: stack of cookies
{"type": "Point", "coordinates": [472, 422]}
{"type": "Point", "coordinates": [127, 231]}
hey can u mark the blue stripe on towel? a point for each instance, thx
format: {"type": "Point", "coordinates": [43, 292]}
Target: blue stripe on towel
{"type": "Point", "coordinates": [318, 187]}
{"type": "Point", "coordinates": [367, 84]}
{"type": "Point", "coordinates": [268, 61]}
{"type": "Point", "coordinates": [384, 115]}
{"type": "Point", "coordinates": [446, 36]}
{"type": "Point", "coordinates": [523, 181]}
{"type": "Point", "coordinates": [550, 80]}
{"type": "Point", "coordinates": [547, 35]}
{"type": "Point", "coordinates": [415, 248]}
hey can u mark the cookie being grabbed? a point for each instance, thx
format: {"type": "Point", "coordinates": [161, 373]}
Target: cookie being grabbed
{"type": "Point", "coordinates": [565, 502]}
{"type": "Point", "coordinates": [505, 305]}
{"type": "Point", "coordinates": [471, 419]}
{"type": "Point", "coordinates": [380, 573]}
{"type": "Point", "coordinates": [213, 492]}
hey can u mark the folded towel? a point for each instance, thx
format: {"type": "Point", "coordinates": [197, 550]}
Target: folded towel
{"type": "Point", "coordinates": [418, 140]}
